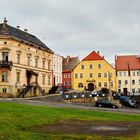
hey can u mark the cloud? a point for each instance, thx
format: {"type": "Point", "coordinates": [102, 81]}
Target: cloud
{"type": "Point", "coordinates": [77, 27]}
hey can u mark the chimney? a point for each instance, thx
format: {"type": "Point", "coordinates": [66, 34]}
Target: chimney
{"type": "Point", "coordinates": [25, 30]}
{"type": "Point", "coordinates": [116, 57]}
{"type": "Point", "coordinates": [18, 27]}
{"type": "Point", "coordinates": [98, 52]}
{"type": "Point", "coordinates": [68, 58]}
{"type": "Point", "coordinates": [5, 20]}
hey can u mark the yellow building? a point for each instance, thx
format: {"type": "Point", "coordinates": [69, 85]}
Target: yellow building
{"type": "Point", "coordinates": [94, 73]}
{"type": "Point", "coordinates": [25, 62]}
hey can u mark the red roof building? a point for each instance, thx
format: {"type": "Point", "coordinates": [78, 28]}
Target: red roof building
{"type": "Point", "coordinates": [69, 64]}
{"type": "Point", "coordinates": [93, 56]}
{"type": "Point", "coordinates": [128, 73]}
{"type": "Point", "coordinates": [122, 62]}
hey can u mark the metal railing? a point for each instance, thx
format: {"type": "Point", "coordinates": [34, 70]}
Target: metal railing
{"type": "Point", "coordinates": [4, 63]}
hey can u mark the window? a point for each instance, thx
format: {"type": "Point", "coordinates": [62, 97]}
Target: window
{"type": "Point", "coordinates": [119, 90]}
{"type": "Point", "coordinates": [43, 63]}
{"type": "Point", "coordinates": [111, 84]}
{"type": "Point", "coordinates": [82, 67]}
{"type": "Point", "coordinates": [99, 66]}
{"type": "Point", "coordinates": [49, 80]}
{"type": "Point", "coordinates": [18, 77]}
{"type": "Point", "coordinates": [133, 73]}
{"type": "Point", "coordinates": [133, 90]}
{"type": "Point", "coordinates": [90, 75]}
{"type": "Point", "coordinates": [28, 60]}
{"type": "Point", "coordinates": [99, 84]}
{"type": "Point", "coordinates": [133, 82]}
{"type": "Point", "coordinates": [90, 66]}
{"type": "Point", "coordinates": [99, 75]}
{"type": "Point", "coordinates": [5, 56]}
{"type": "Point", "coordinates": [124, 73]}
{"type": "Point", "coordinates": [65, 75]}
{"type": "Point", "coordinates": [69, 75]}
{"type": "Point", "coordinates": [18, 58]}
{"type": "Point", "coordinates": [105, 75]}
{"type": "Point", "coordinates": [81, 75]}
{"type": "Point", "coordinates": [69, 82]}
{"type": "Point", "coordinates": [49, 65]}
{"type": "Point", "coordinates": [105, 84]}
{"type": "Point", "coordinates": [138, 73]}
{"type": "Point", "coordinates": [139, 81]}
{"type": "Point", "coordinates": [76, 75]}
{"type": "Point", "coordinates": [59, 79]}
{"type": "Point", "coordinates": [138, 90]}
{"type": "Point", "coordinates": [110, 75]}
{"type": "Point", "coordinates": [4, 76]}
{"type": "Point", "coordinates": [36, 63]}
{"type": "Point", "coordinates": [119, 82]}
{"type": "Point", "coordinates": [65, 83]}
{"type": "Point", "coordinates": [120, 73]}
{"type": "Point", "coordinates": [125, 82]}
{"type": "Point", "coordinates": [4, 90]}
{"type": "Point", "coordinates": [43, 79]}
{"type": "Point", "coordinates": [80, 85]}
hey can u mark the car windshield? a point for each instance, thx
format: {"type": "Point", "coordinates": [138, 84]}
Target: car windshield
{"type": "Point", "coordinates": [104, 101]}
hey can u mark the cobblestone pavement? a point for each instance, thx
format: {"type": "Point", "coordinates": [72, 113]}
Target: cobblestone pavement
{"type": "Point", "coordinates": [42, 101]}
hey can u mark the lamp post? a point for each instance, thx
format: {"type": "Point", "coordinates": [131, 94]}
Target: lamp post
{"type": "Point", "coordinates": [109, 80]}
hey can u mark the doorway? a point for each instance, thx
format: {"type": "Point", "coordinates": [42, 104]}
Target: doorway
{"type": "Point", "coordinates": [91, 87]}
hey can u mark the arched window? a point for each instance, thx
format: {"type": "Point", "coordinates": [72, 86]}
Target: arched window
{"type": "Point", "coordinates": [80, 85]}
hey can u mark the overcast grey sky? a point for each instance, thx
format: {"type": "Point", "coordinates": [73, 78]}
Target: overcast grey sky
{"type": "Point", "coordinates": [77, 27]}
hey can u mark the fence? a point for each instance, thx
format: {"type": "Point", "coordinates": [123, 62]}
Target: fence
{"type": "Point", "coordinates": [80, 96]}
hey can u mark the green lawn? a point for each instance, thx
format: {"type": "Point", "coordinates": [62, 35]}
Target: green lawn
{"type": "Point", "coordinates": [15, 118]}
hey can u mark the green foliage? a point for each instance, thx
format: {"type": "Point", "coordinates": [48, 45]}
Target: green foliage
{"type": "Point", "coordinates": [15, 118]}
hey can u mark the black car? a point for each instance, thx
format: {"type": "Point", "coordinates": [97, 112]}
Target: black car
{"type": "Point", "coordinates": [129, 103]}
{"type": "Point", "coordinates": [105, 103]}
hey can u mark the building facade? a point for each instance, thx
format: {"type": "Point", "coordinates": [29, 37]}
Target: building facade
{"type": "Point", "coordinates": [128, 73]}
{"type": "Point", "coordinates": [25, 62]}
{"type": "Point", "coordinates": [94, 73]}
{"type": "Point", "coordinates": [69, 64]}
{"type": "Point", "coordinates": [57, 69]}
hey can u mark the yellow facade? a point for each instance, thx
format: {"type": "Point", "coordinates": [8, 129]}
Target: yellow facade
{"type": "Point", "coordinates": [97, 73]}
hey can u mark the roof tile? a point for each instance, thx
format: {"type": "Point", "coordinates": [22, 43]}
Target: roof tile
{"type": "Point", "coordinates": [93, 56]}
{"type": "Point", "coordinates": [123, 62]}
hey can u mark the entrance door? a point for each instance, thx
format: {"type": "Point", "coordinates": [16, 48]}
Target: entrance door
{"type": "Point", "coordinates": [125, 91]}
{"type": "Point", "coordinates": [91, 87]}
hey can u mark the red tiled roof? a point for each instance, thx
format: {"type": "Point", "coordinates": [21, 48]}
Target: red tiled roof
{"type": "Point", "coordinates": [93, 56]}
{"type": "Point", "coordinates": [124, 62]}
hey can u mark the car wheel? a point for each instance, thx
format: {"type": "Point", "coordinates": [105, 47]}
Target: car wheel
{"type": "Point", "coordinates": [100, 105]}
{"type": "Point", "coordinates": [113, 106]}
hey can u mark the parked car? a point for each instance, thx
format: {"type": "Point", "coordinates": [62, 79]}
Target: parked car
{"type": "Point", "coordinates": [129, 103]}
{"type": "Point", "coordinates": [105, 103]}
